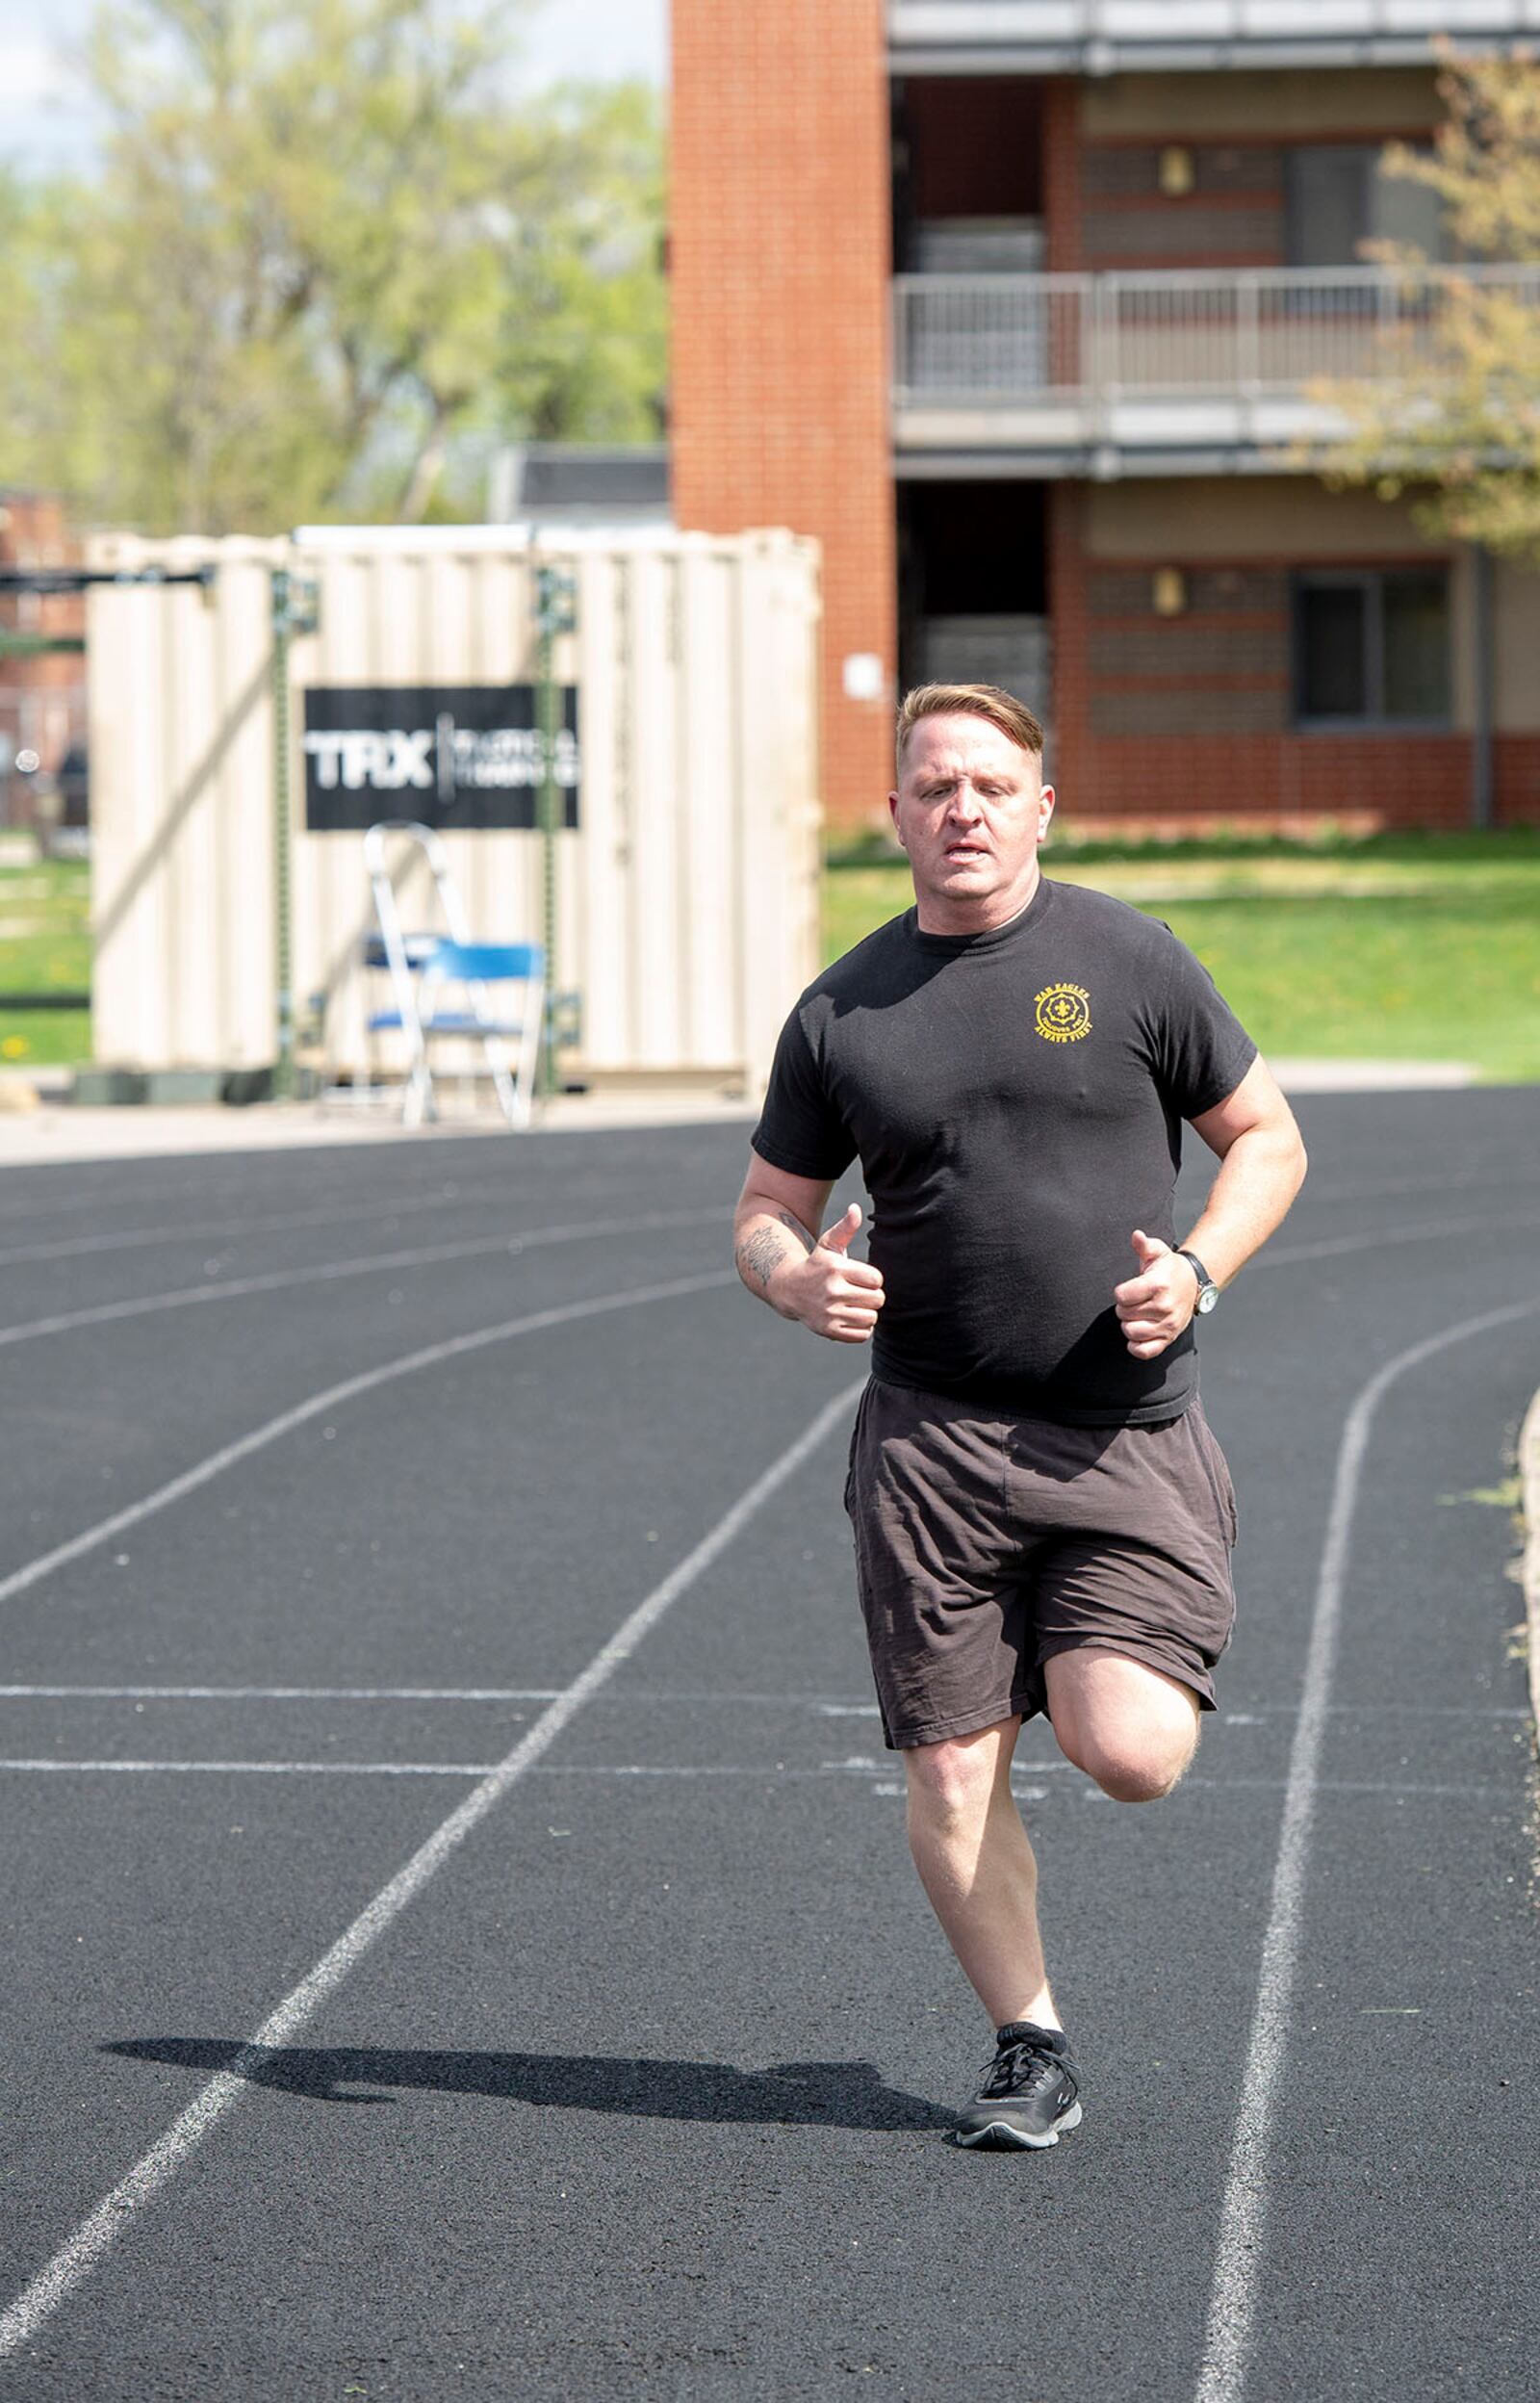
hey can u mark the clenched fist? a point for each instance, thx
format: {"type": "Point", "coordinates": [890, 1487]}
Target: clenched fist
{"type": "Point", "coordinates": [833, 1295]}
{"type": "Point", "coordinates": [1154, 1306]}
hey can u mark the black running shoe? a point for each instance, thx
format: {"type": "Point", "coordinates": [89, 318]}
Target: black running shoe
{"type": "Point", "coordinates": [1031, 2090]}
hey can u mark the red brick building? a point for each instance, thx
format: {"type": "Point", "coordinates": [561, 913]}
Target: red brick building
{"type": "Point", "coordinates": [1021, 307]}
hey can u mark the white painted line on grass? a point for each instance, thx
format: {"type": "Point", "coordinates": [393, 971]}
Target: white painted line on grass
{"type": "Point", "coordinates": [1239, 2251]}
{"type": "Point", "coordinates": [81, 2250]}
{"type": "Point", "coordinates": [432, 1355]}
{"type": "Point", "coordinates": [329, 1272]}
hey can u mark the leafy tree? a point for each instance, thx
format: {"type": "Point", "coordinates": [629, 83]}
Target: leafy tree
{"type": "Point", "coordinates": [323, 246]}
{"type": "Point", "coordinates": [1452, 416]}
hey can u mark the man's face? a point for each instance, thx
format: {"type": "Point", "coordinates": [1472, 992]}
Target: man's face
{"type": "Point", "coordinates": [970, 810]}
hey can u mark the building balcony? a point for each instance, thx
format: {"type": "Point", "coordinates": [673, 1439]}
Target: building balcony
{"type": "Point", "coordinates": [1107, 37]}
{"type": "Point", "coordinates": [1162, 371]}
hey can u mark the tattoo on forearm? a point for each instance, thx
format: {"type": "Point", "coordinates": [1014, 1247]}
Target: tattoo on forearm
{"type": "Point", "coordinates": [762, 1251]}
{"type": "Point", "coordinates": [761, 1255]}
{"type": "Point", "coordinates": [808, 1242]}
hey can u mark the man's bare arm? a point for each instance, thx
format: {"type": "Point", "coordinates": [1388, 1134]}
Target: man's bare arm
{"type": "Point", "coordinates": [1262, 1167]}
{"type": "Point", "coordinates": [802, 1275]}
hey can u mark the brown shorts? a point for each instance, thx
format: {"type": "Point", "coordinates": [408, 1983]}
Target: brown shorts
{"type": "Point", "coordinates": [986, 1542]}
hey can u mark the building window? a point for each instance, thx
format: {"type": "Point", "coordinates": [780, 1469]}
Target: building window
{"type": "Point", "coordinates": [1338, 200]}
{"type": "Point", "coordinates": [1371, 646]}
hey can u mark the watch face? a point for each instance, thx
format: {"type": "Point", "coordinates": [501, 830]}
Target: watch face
{"type": "Point", "coordinates": [1207, 1300]}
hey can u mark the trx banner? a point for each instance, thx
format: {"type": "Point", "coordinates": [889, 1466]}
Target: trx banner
{"type": "Point", "coordinates": [448, 756]}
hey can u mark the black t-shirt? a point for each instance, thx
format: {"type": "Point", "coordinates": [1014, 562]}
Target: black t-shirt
{"type": "Point", "coordinates": [1015, 1099]}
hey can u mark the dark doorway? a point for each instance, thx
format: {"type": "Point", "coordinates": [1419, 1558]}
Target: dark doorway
{"type": "Point", "coordinates": [973, 602]}
{"type": "Point", "coordinates": [967, 174]}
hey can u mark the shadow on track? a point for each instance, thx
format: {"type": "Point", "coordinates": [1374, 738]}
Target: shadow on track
{"type": "Point", "coordinates": [818, 2094]}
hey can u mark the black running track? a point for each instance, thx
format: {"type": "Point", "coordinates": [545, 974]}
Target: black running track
{"type": "Point", "coordinates": [644, 2092]}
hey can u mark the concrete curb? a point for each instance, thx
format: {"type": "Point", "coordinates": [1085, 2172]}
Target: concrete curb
{"type": "Point", "coordinates": [54, 1133]}
{"type": "Point", "coordinates": [1529, 1504]}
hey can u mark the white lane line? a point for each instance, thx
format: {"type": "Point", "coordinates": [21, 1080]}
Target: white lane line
{"type": "Point", "coordinates": [432, 1355]}
{"type": "Point", "coordinates": [253, 1768]}
{"type": "Point", "coordinates": [428, 1255]}
{"type": "Point", "coordinates": [375, 1264]}
{"type": "Point", "coordinates": [111, 1193]}
{"type": "Point", "coordinates": [1376, 1709]}
{"type": "Point", "coordinates": [1484, 1181]}
{"type": "Point", "coordinates": [82, 2250]}
{"type": "Point", "coordinates": [628, 1695]}
{"type": "Point", "coordinates": [411, 1693]}
{"type": "Point", "coordinates": [1238, 2258]}
{"type": "Point", "coordinates": [454, 1196]}
{"type": "Point", "coordinates": [758, 1772]}
{"type": "Point", "coordinates": [278, 1694]}
{"type": "Point", "coordinates": [136, 1238]}
{"type": "Point", "coordinates": [1289, 1254]}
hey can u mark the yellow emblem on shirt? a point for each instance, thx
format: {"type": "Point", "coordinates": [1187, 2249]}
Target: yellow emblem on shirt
{"type": "Point", "coordinates": [1064, 1013]}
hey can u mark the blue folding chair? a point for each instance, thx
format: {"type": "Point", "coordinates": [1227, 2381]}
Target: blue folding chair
{"type": "Point", "coordinates": [471, 967]}
{"type": "Point", "coordinates": [426, 968]}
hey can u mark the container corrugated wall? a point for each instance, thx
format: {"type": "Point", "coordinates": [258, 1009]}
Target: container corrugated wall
{"type": "Point", "coordinates": [688, 893]}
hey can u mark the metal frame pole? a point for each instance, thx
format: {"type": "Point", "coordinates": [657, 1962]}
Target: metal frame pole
{"type": "Point", "coordinates": [556, 614]}
{"type": "Point", "coordinates": [296, 611]}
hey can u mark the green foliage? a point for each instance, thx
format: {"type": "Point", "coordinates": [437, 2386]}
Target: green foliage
{"type": "Point", "coordinates": [44, 948]}
{"type": "Point", "coordinates": [1452, 416]}
{"type": "Point", "coordinates": [323, 246]}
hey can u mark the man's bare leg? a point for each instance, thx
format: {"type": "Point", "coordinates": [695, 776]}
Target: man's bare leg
{"type": "Point", "coordinates": [978, 1869]}
{"type": "Point", "coordinates": [1129, 1726]}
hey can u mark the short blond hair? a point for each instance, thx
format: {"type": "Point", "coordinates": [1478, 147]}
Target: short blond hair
{"type": "Point", "coordinates": [1002, 709]}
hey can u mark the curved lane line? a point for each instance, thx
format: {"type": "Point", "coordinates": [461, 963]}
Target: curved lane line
{"type": "Point", "coordinates": [1232, 2301]}
{"type": "Point", "coordinates": [464, 1195]}
{"type": "Point", "coordinates": [432, 1355]}
{"type": "Point", "coordinates": [135, 1238]}
{"type": "Point", "coordinates": [327, 1272]}
{"type": "Point", "coordinates": [1330, 1245]}
{"type": "Point", "coordinates": [428, 1255]}
{"type": "Point", "coordinates": [485, 1190]}
{"type": "Point", "coordinates": [81, 2250]}
{"type": "Point", "coordinates": [1484, 1181]}
{"type": "Point", "coordinates": [233, 1191]}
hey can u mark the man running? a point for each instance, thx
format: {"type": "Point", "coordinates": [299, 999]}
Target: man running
{"type": "Point", "coordinates": [1042, 1519]}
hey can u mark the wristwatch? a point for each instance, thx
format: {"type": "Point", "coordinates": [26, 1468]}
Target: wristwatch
{"type": "Point", "coordinates": [1207, 1292]}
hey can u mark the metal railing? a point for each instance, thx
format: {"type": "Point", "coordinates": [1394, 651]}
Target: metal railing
{"type": "Point", "coordinates": [1007, 341]}
{"type": "Point", "coordinates": [1140, 25]}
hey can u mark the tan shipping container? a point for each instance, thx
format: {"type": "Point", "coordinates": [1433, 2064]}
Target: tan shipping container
{"type": "Point", "coordinates": [688, 892]}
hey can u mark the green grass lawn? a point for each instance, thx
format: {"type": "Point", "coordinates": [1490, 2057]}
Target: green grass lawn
{"type": "Point", "coordinates": [1404, 947]}
{"type": "Point", "coordinates": [44, 947]}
